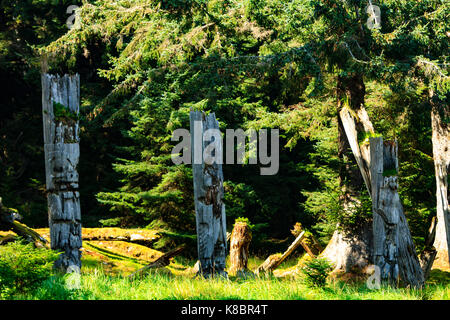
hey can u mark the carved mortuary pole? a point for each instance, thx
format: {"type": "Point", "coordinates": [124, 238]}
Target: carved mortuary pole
{"type": "Point", "coordinates": [208, 193]}
{"type": "Point", "coordinates": [60, 106]}
{"type": "Point", "coordinates": [394, 251]}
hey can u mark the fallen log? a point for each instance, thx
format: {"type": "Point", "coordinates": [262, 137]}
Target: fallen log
{"type": "Point", "coordinates": [7, 239]}
{"type": "Point", "coordinates": [273, 261]}
{"type": "Point", "coordinates": [309, 243]}
{"type": "Point", "coordinates": [8, 222]}
{"type": "Point", "coordinates": [161, 262]}
{"type": "Point", "coordinates": [144, 237]}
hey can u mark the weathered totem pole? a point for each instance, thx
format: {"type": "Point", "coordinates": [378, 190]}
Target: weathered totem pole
{"type": "Point", "coordinates": [394, 251]}
{"type": "Point", "coordinates": [208, 194]}
{"type": "Point", "coordinates": [60, 105]}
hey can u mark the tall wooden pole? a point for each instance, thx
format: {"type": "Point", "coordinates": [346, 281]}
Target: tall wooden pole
{"type": "Point", "coordinates": [208, 198]}
{"type": "Point", "coordinates": [394, 250]}
{"type": "Point", "coordinates": [60, 106]}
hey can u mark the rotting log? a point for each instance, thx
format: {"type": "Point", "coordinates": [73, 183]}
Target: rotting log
{"type": "Point", "coordinates": [239, 245]}
{"type": "Point", "coordinates": [9, 222]}
{"type": "Point", "coordinates": [394, 251]}
{"type": "Point", "coordinates": [60, 106]}
{"type": "Point", "coordinates": [7, 239]}
{"type": "Point", "coordinates": [161, 262]}
{"type": "Point", "coordinates": [208, 194]}
{"type": "Point", "coordinates": [441, 157]}
{"type": "Point", "coordinates": [309, 243]}
{"type": "Point", "coordinates": [273, 261]}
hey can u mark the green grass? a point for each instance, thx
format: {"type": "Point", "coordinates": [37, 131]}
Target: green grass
{"type": "Point", "coordinates": [97, 285]}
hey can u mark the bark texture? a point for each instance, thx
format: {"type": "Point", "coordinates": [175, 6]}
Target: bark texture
{"type": "Point", "coordinates": [60, 104]}
{"type": "Point", "coordinates": [441, 156]}
{"type": "Point", "coordinates": [208, 198]}
{"type": "Point", "coordinates": [239, 244]}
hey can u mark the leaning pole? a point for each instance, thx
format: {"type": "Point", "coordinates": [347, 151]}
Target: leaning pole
{"type": "Point", "coordinates": [208, 196]}
{"type": "Point", "coordinates": [60, 107]}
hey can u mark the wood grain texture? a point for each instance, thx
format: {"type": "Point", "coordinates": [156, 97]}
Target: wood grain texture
{"type": "Point", "coordinates": [241, 237]}
{"type": "Point", "coordinates": [394, 250]}
{"type": "Point", "coordinates": [208, 198]}
{"type": "Point", "coordinates": [62, 152]}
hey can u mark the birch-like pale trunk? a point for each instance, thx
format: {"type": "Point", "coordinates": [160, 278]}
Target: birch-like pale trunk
{"type": "Point", "coordinates": [208, 198]}
{"type": "Point", "coordinates": [62, 152]}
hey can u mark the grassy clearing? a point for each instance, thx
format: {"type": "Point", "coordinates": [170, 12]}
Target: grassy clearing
{"type": "Point", "coordinates": [161, 285]}
{"type": "Point", "coordinates": [106, 265]}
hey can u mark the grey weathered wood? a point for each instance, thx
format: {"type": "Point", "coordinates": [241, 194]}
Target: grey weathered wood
{"type": "Point", "coordinates": [350, 122]}
{"type": "Point", "coordinates": [350, 249]}
{"type": "Point", "coordinates": [394, 251]}
{"type": "Point", "coordinates": [387, 240]}
{"type": "Point", "coordinates": [441, 157]}
{"type": "Point", "coordinates": [62, 152]}
{"type": "Point", "coordinates": [208, 198]}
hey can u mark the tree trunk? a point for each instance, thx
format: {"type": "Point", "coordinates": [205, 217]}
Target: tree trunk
{"type": "Point", "coordinates": [208, 197]}
{"type": "Point", "coordinates": [441, 156]}
{"type": "Point", "coordinates": [354, 121]}
{"type": "Point", "coordinates": [394, 251]}
{"type": "Point", "coordinates": [240, 241]}
{"type": "Point", "coordinates": [350, 247]}
{"type": "Point", "coordinates": [60, 104]}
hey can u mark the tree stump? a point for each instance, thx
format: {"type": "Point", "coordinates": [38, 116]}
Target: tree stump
{"type": "Point", "coordinates": [239, 244]}
{"type": "Point", "coordinates": [60, 105]}
{"type": "Point", "coordinates": [208, 194]}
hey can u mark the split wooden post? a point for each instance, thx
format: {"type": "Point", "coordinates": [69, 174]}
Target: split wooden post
{"type": "Point", "coordinates": [239, 244]}
{"type": "Point", "coordinates": [60, 106]}
{"type": "Point", "coordinates": [394, 251]}
{"type": "Point", "coordinates": [208, 194]}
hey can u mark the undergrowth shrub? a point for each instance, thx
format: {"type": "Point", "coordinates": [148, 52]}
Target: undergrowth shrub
{"type": "Point", "coordinates": [24, 267]}
{"type": "Point", "coordinates": [316, 271]}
